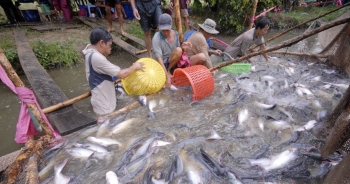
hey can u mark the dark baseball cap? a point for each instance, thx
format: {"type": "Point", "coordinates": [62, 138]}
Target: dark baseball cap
{"type": "Point", "coordinates": [165, 22]}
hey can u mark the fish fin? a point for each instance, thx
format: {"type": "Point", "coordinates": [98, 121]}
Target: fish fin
{"type": "Point", "coordinates": [59, 167]}
{"type": "Point", "coordinates": [151, 115]}
{"type": "Point", "coordinates": [64, 178]}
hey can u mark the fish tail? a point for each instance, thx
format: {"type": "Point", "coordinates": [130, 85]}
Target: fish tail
{"type": "Point", "coordinates": [151, 115]}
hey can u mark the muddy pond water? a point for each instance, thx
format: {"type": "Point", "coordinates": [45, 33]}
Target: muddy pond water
{"type": "Point", "coordinates": [297, 90]}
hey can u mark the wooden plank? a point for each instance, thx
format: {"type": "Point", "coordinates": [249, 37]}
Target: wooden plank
{"type": "Point", "coordinates": [116, 40]}
{"type": "Point", "coordinates": [133, 38]}
{"type": "Point", "coordinates": [30, 23]}
{"type": "Point", "coordinates": [65, 120]}
{"type": "Point", "coordinates": [53, 27]}
{"type": "Point", "coordinates": [127, 35]}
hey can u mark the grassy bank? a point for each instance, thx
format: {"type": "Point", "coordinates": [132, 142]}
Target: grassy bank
{"type": "Point", "coordinates": [278, 20]}
{"type": "Point", "coordinates": [53, 49]}
{"type": "Point", "coordinates": [299, 15]}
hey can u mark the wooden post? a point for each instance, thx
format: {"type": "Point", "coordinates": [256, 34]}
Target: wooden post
{"type": "Point", "coordinates": [32, 171]}
{"type": "Point", "coordinates": [253, 14]}
{"type": "Point", "coordinates": [31, 147]}
{"type": "Point", "coordinates": [11, 73]}
{"type": "Point", "coordinates": [178, 20]}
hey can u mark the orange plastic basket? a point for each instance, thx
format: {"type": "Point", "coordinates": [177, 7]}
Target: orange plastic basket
{"type": "Point", "coordinates": [198, 76]}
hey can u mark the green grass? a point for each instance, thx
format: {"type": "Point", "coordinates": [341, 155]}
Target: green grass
{"type": "Point", "coordinates": [9, 46]}
{"type": "Point", "coordinates": [299, 15]}
{"type": "Point", "coordinates": [135, 29]}
{"type": "Point", "coordinates": [55, 54]}
{"type": "Point", "coordinates": [50, 54]}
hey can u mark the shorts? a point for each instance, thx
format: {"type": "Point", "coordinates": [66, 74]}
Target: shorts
{"type": "Point", "coordinates": [166, 64]}
{"type": "Point", "coordinates": [111, 3]}
{"type": "Point", "coordinates": [183, 13]}
{"type": "Point", "coordinates": [149, 12]}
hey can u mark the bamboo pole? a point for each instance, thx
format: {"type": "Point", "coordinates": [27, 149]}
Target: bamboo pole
{"type": "Point", "coordinates": [70, 101]}
{"type": "Point", "coordinates": [66, 103]}
{"type": "Point", "coordinates": [285, 43]}
{"type": "Point", "coordinates": [11, 73]}
{"type": "Point", "coordinates": [253, 14]}
{"type": "Point", "coordinates": [178, 20]}
{"type": "Point", "coordinates": [124, 109]}
{"type": "Point", "coordinates": [30, 148]}
{"type": "Point", "coordinates": [299, 25]}
{"type": "Point", "coordinates": [140, 52]}
{"type": "Point", "coordinates": [299, 54]}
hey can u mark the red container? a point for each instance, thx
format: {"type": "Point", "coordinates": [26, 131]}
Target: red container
{"type": "Point", "coordinates": [82, 12]}
{"type": "Point", "coordinates": [67, 12]}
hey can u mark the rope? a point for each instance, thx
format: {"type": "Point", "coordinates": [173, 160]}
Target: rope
{"type": "Point", "coordinates": [263, 14]}
{"type": "Point", "coordinates": [228, 55]}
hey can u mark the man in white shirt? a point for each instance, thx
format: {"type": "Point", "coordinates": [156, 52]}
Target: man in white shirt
{"type": "Point", "coordinates": [99, 71]}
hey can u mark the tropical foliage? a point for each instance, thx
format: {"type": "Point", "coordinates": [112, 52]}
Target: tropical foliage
{"type": "Point", "coordinates": [55, 54]}
{"type": "Point", "coordinates": [234, 15]}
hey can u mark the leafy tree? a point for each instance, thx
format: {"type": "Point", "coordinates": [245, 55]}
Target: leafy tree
{"type": "Point", "coordinates": [234, 15]}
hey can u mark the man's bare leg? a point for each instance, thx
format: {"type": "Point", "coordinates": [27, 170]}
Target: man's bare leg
{"type": "Point", "coordinates": [148, 42]}
{"type": "Point", "coordinates": [118, 8]}
{"type": "Point", "coordinates": [123, 11]}
{"type": "Point", "coordinates": [186, 24]}
{"type": "Point", "coordinates": [198, 59]}
{"type": "Point", "coordinates": [174, 57]}
{"type": "Point", "coordinates": [109, 18]}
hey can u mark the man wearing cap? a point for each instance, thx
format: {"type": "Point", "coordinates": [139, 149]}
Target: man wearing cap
{"type": "Point", "coordinates": [199, 43]}
{"type": "Point", "coordinates": [239, 47]}
{"type": "Point", "coordinates": [148, 13]}
{"type": "Point", "coordinates": [166, 47]}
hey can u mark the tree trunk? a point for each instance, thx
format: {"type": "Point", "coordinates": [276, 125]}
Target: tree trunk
{"type": "Point", "coordinates": [178, 20]}
{"type": "Point", "coordinates": [30, 148]}
{"type": "Point", "coordinates": [253, 14]}
{"type": "Point", "coordinates": [32, 171]}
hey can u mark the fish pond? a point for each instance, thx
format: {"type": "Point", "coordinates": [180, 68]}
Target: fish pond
{"type": "Point", "coordinates": [260, 126]}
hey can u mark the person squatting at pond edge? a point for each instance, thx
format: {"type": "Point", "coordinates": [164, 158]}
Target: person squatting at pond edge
{"type": "Point", "coordinates": [166, 47]}
{"type": "Point", "coordinates": [199, 53]}
{"type": "Point", "coordinates": [183, 11]}
{"type": "Point", "coordinates": [147, 12]}
{"type": "Point", "coordinates": [99, 71]}
{"type": "Point", "coordinates": [239, 47]}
